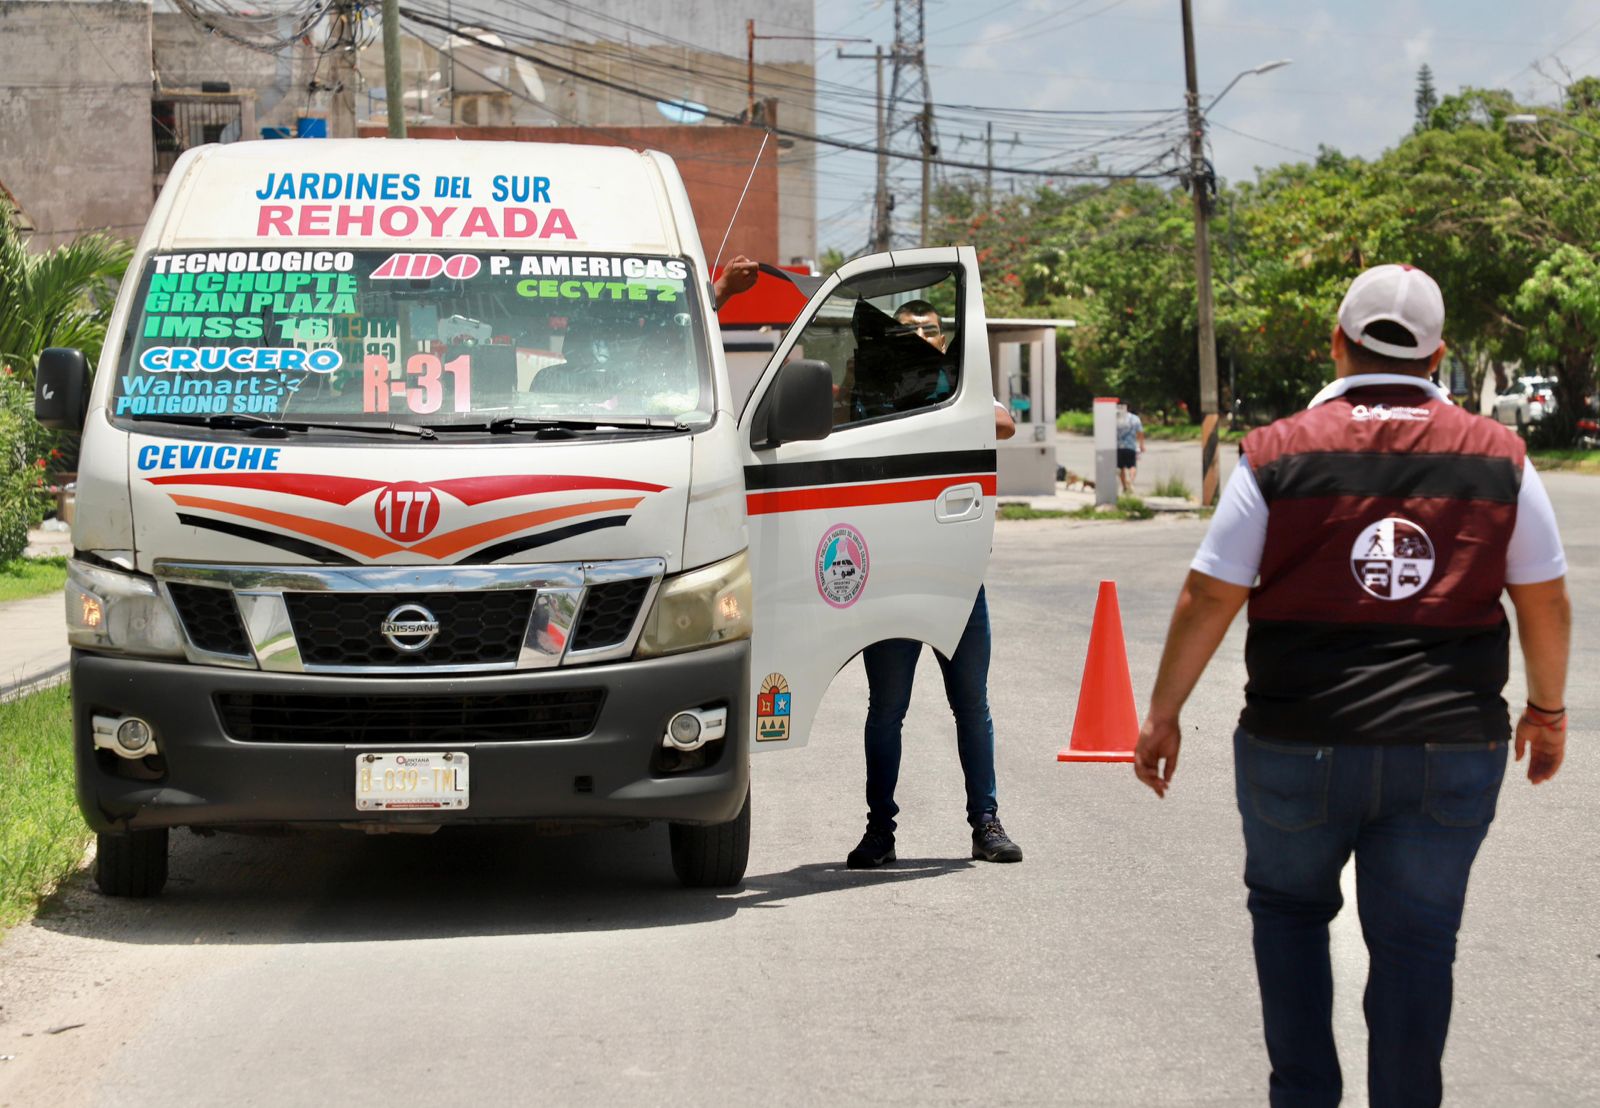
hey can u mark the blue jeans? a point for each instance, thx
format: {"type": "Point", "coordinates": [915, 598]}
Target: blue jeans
{"type": "Point", "coordinates": [891, 669]}
{"type": "Point", "coordinates": [1414, 816]}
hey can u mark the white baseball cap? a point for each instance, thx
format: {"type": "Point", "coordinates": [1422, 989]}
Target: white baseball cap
{"type": "Point", "coordinates": [1399, 294]}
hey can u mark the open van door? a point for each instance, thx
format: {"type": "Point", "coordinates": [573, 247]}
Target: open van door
{"type": "Point", "coordinates": [869, 466]}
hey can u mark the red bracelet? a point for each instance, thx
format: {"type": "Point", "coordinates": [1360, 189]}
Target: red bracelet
{"type": "Point", "coordinates": [1550, 721]}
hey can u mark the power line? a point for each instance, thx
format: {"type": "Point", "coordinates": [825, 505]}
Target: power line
{"type": "Point", "coordinates": [824, 140]}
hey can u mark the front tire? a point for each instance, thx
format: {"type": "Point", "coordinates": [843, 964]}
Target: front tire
{"type": "Point", "coordinates": [132, 863]}
{"type": "Point", "coordinates": [712, 857]}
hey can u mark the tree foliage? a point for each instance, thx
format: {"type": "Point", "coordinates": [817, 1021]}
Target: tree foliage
{"type": "Point", "coordinates": [1505, 216]}
{"type": "Point", "coordinates": [61, 297]}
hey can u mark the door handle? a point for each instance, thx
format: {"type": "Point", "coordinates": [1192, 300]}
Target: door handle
{"type": "Point", "coordinates": [959, 503]}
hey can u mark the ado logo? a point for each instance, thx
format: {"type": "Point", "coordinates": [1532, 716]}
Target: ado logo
{"type": "Point", "coordinates": [1392, 559]}
{"type": "Point", "coordinates": [407, 511]}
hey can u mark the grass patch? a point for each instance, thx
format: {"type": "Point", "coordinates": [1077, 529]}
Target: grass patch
{"type": "Point", "coordinates": [1128, 507]}
{"type": "Point", "coordinates": [1025, 511]}
{"type": "Point", "coordinates": [1173, 485]}
{"type": "Point", "coordinates": [1082, 423]}
{"type": "Point", "coordinates": [1190, 432]}
{"type": "Point", "coordinates": [22, 578]}
{"type": "Point", "coordinates": [1574, 461]}
{"type": "Point", "coordinates": [42, 834]}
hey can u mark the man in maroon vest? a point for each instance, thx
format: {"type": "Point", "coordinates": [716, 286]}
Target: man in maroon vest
{"type": "Point", "coordinates": [1378, 528]}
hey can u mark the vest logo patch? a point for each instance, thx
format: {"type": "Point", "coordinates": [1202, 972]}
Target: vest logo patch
{"type": "Point", "coordinates": [1384, 413]}
{"type": "Point", "coordinates": [1392, 559]}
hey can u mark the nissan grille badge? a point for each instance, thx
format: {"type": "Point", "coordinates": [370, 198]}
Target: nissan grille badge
{"type": "Point", "coordinates": [410, 628]}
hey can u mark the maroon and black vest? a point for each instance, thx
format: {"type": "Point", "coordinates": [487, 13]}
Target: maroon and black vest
{"type": "Point", "coordinates": [1377, 618]}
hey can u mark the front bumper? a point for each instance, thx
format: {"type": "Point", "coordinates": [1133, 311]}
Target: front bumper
{"type": "Point", "coordinates": [204, 777]}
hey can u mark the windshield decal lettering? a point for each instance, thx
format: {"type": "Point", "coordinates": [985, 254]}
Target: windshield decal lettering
{"type": "Point", "coordinates": [239, 359]}
{"type": "Point", "coordinates": [422, 387]}
{"type": "Point", "coordinates": [549, 288]}
{"type": "Point", "coordinates": [255, 261]}
{"type": "Point", "coordinates": [164, 395]}
{"type": "Point", "coordinates": [420, 267]}
{"type": "Point", "coordinates": [582, 265]}
{"type": "Point", "coordinates": [411, 334]}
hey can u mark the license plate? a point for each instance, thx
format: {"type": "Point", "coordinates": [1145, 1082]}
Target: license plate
{"type": "Point", "coordinates": [410, 782]}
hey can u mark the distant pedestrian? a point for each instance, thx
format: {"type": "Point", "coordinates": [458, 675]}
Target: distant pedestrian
{"type": "Point", "coordinates": [891, 671]}
{"type": "Point", "coordinates": [1379, 529]}
{"type": "Point", "coordinates": [1130, 444]}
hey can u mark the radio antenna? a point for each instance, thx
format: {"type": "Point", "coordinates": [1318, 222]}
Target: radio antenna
{"type": "Point", "coordinates": [764, 137]}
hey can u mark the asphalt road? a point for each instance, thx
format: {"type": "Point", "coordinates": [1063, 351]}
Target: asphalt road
{"type": "Point", "coordinates": [1110, 967]}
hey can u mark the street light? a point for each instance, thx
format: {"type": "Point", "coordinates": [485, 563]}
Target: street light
{"type": "Point", "coordinates": [1205, 309]}
{"type": "Point", "coordinates": [1265, 67]}
{"type": "Point", "coordinates": [1528, 119]}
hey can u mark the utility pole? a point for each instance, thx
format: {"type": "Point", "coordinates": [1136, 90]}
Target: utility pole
{"type": "Point", "coordinates": [750, 68]}
{"type": "Point", "coordinates": [928, 149]}
{"type": "Point", "coordinates": [988, 165]}
{"type": "Point", "coordinates": [342, 108]}
{"type": "Point", "coordinates": [880, 195]}
{"type": "Point", "coordinates": [393, 77]}
{"type": "Point", "coordinates": [909, 85]}
{"type": "Point", "coordinates": [1200, 181]}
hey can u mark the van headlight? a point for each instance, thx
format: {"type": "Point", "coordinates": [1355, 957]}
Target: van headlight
{"type": "Point", "coordinates": [107, 610]}
{"type": "Point", "coordinates": [703, 607]}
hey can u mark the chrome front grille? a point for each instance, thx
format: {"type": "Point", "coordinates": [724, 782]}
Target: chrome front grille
{"type": "Point", "coordinates": [410, 620]}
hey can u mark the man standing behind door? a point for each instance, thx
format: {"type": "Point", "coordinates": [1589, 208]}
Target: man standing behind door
{"type": "Point", "coordinates": [891, 669]}
{"type": "Point", "coordinates": [1383, 523]}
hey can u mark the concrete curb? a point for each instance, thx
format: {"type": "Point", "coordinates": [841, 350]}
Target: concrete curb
{"type": "Point", "coordinates": [38, 682]}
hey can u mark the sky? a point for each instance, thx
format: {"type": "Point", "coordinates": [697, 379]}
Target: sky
{"type": "Point", "coordinates": [1351, 85]}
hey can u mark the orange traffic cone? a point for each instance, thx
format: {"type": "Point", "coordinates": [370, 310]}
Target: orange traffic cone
{"type": "Point", "coordinates": [1106, 727]}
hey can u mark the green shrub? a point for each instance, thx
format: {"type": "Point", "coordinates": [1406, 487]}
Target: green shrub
{"type": "Point", "coordinates": [1132, 507]}
{"type": "Point", "coordinates": [22, 449]}
{"type": "Point", "coordinates": [1080, 423]}
{"type": "Point", "coordinates": [1173, 485]}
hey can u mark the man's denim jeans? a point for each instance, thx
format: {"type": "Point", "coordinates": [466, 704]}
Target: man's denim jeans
{"type": "Point", "coordinates": [891, 669]}
{"type": "Point", "coordinates": [1414, 815]}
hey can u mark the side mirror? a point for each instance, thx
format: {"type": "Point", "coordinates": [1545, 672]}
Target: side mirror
{"type": "Point", "coordinates": [61, 389]}
{"type": "Point", "coordinates": [799, 406]}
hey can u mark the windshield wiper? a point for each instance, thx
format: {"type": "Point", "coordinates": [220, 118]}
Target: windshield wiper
{"type": "Point", "coordinates": [235, 421]}
{"type": "Point", "coordinates": [511, 425]}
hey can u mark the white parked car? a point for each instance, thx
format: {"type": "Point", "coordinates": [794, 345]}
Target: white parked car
{"type": "Point", "coordinates": [1528, 400]}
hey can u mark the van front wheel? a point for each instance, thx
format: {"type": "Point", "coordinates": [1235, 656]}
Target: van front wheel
{"type": "Point", "coordinates": [712, 857]}
{"type": "Point", "coordinates": [133, 863]}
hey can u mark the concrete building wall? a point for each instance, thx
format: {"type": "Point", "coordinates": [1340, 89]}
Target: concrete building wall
{"type": "Point", "coordinates": [706, 65]}
{"type": "Point", "coordinates": [184, 56]}
{"type": "Point", "coordinates": [75, 114]}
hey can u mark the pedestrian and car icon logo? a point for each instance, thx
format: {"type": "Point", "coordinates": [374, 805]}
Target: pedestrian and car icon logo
{"type": "Point", "coordinates": [1392, 559]}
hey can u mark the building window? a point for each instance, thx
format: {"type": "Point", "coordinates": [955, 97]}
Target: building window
{"type": "Point", "coordinates": [181, 122]}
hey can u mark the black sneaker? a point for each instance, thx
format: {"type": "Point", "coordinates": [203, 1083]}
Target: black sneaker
{"type": "Point", "coordinates": [991, 843]}
{"type": "Point", "coordinates": [875, 849]}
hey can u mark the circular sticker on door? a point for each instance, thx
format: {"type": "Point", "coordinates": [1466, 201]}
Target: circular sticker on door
{"type": "Point", "coordinates": [1392, 559]}
{"type": "Point", "coordinates": [842, 565]}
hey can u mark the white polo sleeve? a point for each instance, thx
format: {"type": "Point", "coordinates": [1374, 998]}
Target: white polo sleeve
{"type": "Point", "coordinates": [1535, 552]}
{"type": "Point", "coordinates": [1232, 548]}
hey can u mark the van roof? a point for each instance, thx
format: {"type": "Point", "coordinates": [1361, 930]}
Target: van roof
{"type": "Point", "coordinates": [421, 192]}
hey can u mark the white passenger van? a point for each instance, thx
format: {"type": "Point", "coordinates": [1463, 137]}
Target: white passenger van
{"type": "Point", "coordinates": [411, 495]}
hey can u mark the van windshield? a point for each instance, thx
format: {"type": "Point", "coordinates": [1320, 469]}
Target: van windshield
{"type": "Point", "coordinates": [436, 339]}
